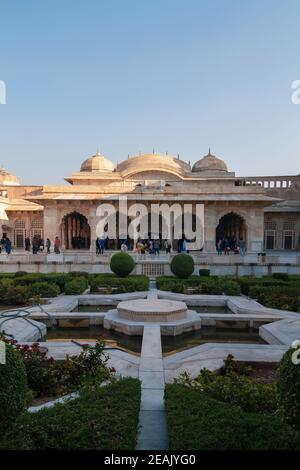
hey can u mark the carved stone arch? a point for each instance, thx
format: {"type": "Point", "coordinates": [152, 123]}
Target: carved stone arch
{"type": "Point", "coordinates": [75, 231]}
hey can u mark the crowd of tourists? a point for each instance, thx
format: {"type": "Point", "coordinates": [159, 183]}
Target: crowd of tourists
{"type": "Point", "coordinates": [38, 245]}
{"type": "Point", "coordinates": [231, 245]}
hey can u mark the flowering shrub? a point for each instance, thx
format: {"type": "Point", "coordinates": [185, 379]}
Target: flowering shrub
{"type": "Point", "coordinates": [234, 386]}
{"type": "Point", "coordinates": [48, 377]}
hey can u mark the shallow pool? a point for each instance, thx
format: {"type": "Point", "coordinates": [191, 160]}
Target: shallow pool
{"type": "Point", "coordinates": [206, 334]}
{"type": "Point", "coordinates": [210, 334]}
{"type": "Point", "coordinates": [210, 309]}
{"type": "Point", "coordinates": [93, 308]}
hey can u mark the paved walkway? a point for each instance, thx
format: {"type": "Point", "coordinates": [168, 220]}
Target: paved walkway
{"type": "Point", "coordinates": [153, 423]}
{"type": "Point", "coordinates": [153, 433]}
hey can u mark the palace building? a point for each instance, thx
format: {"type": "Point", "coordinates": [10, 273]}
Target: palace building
{"type": "Point", "coordinates": [263, 210]}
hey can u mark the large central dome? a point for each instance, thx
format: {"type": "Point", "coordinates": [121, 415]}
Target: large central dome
{"type": "Point", "coordinates": [153, 162]}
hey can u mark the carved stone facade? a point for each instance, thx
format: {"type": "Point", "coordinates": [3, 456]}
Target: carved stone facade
{"type": "Point", "coordinates": [263, 211]}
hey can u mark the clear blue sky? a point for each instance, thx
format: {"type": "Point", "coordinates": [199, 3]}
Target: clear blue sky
{"type": "Point", "coordinates": [133, 75]}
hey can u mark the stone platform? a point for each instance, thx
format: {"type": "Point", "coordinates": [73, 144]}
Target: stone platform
{"type": "Point", "coordinates": [156, 310]}
{"type": "Point", "coordinates": [132, 316]}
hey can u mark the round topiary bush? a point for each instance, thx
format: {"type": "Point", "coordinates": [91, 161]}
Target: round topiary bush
{"type": "Point", "coordinates": [122, 264]}
{"type": "Point", "coordinates": [288, 385]}
{"type": "Point", "coordinates": [13, 387]}
{"type": "Point", "coordinates": [182, 265]}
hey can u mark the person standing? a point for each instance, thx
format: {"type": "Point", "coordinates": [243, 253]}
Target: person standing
{"type": "Point", "coordinates": [35, 246]}
{"type": "Point", "coordinates": [8, 246]}
{"type": "Point", "coordinates": [167, 245]}
{"type": "Point", "coordinates": [57, 245]}
{"type": "Point", "coordinates": [124, 247]}
{"type": "Point", "coordinates": [97, 246]}
{"type": "Point", "coordinates": [156, 247]}
{"type": "Point", "coordinates": [242, 245]}
{"type": "Point", "coordinates": [48, 245]}
{"type": "Point", "coordinates": [102, 245]}
{"type": "Point", "coordinates": [226, 247]}
{"type": "Point", "coordinates": [219, 247]}
{"type": "Point", "coordinates": [27, 244]}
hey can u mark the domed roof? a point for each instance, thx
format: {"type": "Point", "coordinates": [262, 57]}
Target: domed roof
{"type": "Point", "coordinates": [7, 178]}
{"type": "Point", "coordinates": [153, 162]}
{"type": "Point", "coordinates": [210, 163]}
{"type": "Point", "coordinates": [97, 163]}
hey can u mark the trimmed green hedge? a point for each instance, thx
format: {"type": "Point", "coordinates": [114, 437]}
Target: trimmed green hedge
{"type": "Point", "coordinates": [198, 422]}
{"type": "Point", "coordinates": [44, 289]}
{"type": "Point", "coordinates": [288, 388]}
{"type": "Point", "coordinates": [281, 297]}
{"type": "Point", "coordinates": [101, 419]}
{"type": "Point", "coordinates": [213, 285]}
{"type": "Point", "coordinates": [76, 286]}
{"type": "Point", "coordinates": [116, 284]}
{"type": "Point", "coordinates": [13, 387]}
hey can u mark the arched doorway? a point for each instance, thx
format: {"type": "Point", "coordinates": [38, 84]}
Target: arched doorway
{"type": "Point", "coordinates": [75, 232]}
{"type": "Point", "coordinates": [233, 228]}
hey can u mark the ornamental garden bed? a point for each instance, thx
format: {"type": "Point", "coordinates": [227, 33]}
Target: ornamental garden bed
{"type": "Point", "coordinates": [18, 289]}
{"type": "Point", "coordinates": [239, 409]}
{"type": "Point", "coordinates": [99, 418]}
{"type": "Point", "coordinates": [280, 291]}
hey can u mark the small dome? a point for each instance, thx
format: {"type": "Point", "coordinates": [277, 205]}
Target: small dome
{"type": "Point", "coordinates": [210, 163]}
{"type": "Point", "coordinates": [7, 178]}
{"type": "Point", "coordinates": [97, 163]}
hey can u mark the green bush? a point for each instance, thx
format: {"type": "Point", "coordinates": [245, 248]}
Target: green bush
{"type": "Point", "coordinates": [212, 285]}
{"type": "Point", "coordinates": [281, 297]}
{"type": "Point", "coordinates": [122, 264]}
{"type": "Point", "coordinates": [242, 391]}
{"type": "Point", "coordinates": [247, 282]}
{"type": "Point", "coordinates": [20, 273]}
{"type": "Point", "coordinates": [281, 276]}
{"type": "Point", "coordinates": [79, 274]}
{"type": "Point", "coordinates": [199, 422]}
{"type": "Point", "coordinates": [116, 284]}
{"type": "Point", "coordinates": [16, 295]}
{"type": "Point", "coordinates": [13, 387]}
{"type": "Point", "coordinates": [47, 377]}
{"type": "Point", "coordinates": [182, 265]}
{"type": "Point", "coordinates": [76, 286]}
{"type": "Point", "coordinates": [231, 288]}
{"type": "Point", "coordinates": [55, 278]}
{"type": "Point", "coordinates": [288, 387]}
{"type": "Point", "coordinates": [44, 289]}
{"type": "Point", "coordinates": [28, 279]}
{"type": "Point", "coordinates": [204, 272]}
{"type": "Point", "coordinates": [235, 386]}
{"type": "Point", "coordinates": [101, 418]}
{"type": "Point", "coordinates": [4, 285]}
